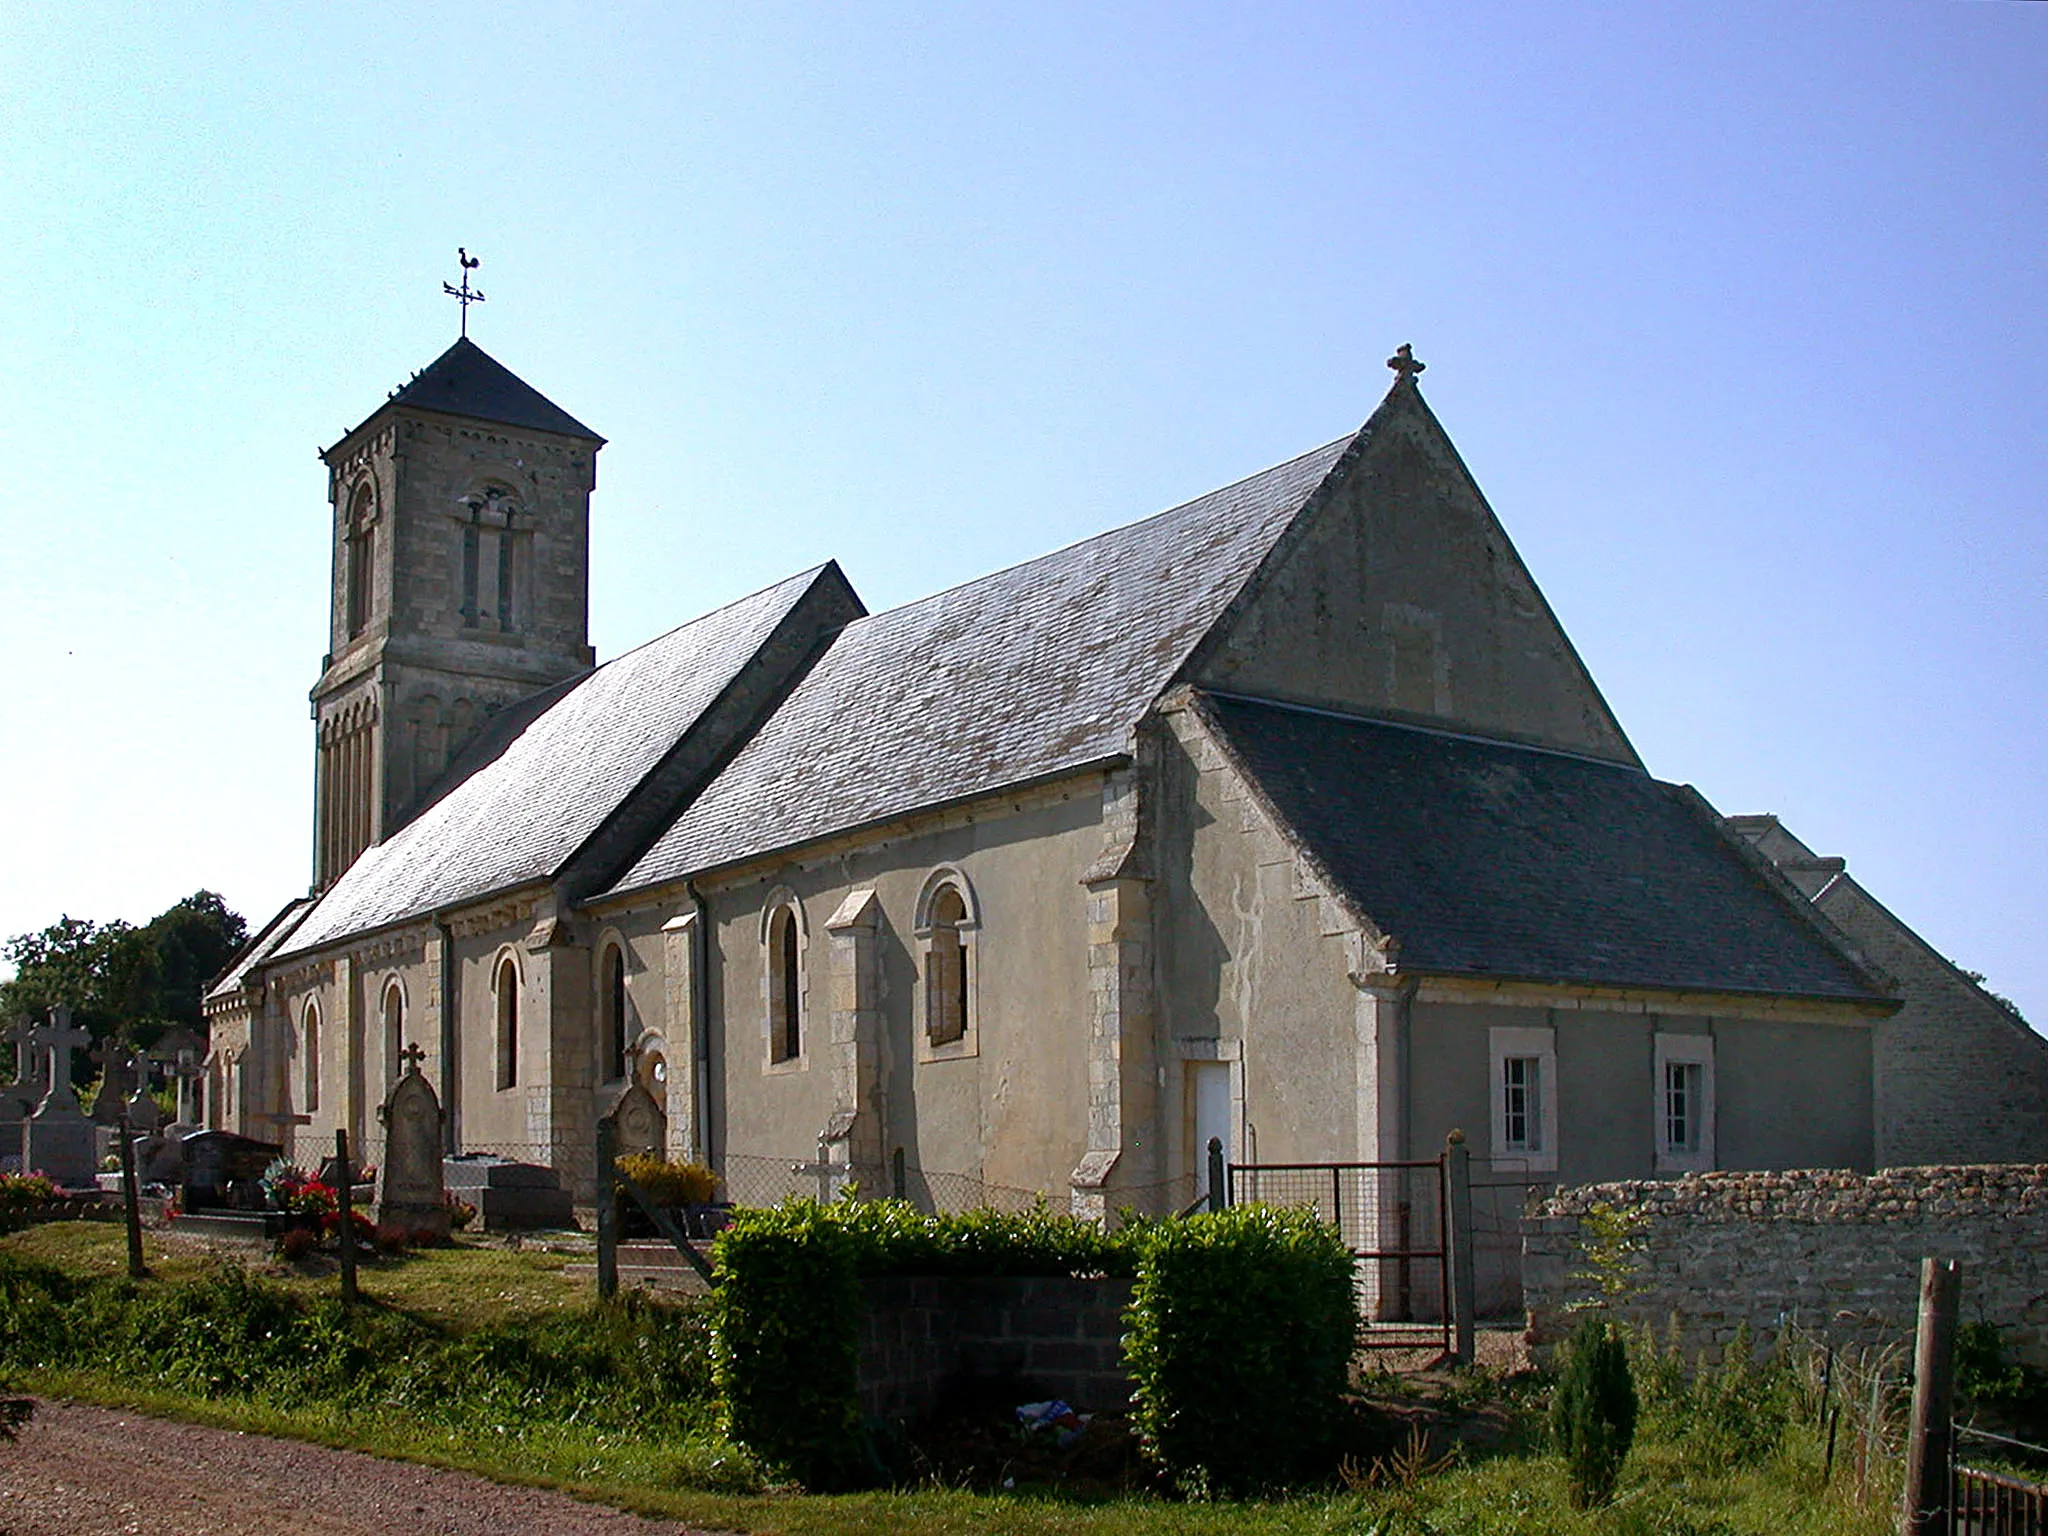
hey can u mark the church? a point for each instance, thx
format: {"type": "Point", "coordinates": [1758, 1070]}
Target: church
{"type": "Point", "coordinates": [1288, 817]}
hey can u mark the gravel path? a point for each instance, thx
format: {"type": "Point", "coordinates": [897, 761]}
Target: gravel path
{"type": "Point", "coordinates": [81, 1471]}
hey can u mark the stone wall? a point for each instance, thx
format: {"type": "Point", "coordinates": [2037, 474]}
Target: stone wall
{"type": "Point", "coordinates": [1838, 1253]}
{"type": "Point", "coordinates": [925, 1338]}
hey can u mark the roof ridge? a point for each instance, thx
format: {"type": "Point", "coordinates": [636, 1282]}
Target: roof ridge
{"type": "Point", "coordinates": [1425, 730]}
{"type": "Point", "coordinates": [810, 573]}
{"type": "Point", "coordinates": [1121, 530]}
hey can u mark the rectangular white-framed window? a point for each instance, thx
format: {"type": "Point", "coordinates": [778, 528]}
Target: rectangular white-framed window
{"type": "Point", "coordinates": [1683, 1081]}
{"type": "Point", "coordinates": [1523, 1066]}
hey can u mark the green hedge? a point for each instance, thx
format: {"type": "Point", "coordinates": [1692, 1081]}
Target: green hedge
{"type": "Point", "coordinates": [1243, 1325]}
{"type": "Point", "coordinates": [1241, 1329]}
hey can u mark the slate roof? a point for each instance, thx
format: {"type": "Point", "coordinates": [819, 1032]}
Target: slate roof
{"type": "Point", "coordinates": [266, 943]}
{"type": "Point", "coordinates": [1033, 671]}
{"type": "Point", "coordinates": [1485, 859]}
{"type": "Point", "coordinates": [522, 815]}
{"type": "Point", "coordinates": [467, 381]}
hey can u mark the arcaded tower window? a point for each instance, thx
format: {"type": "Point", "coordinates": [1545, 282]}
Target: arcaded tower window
{"type": "Point", "coordinates": [617, 1023]}
{"type": "Point", "coordinates": [361, 528]}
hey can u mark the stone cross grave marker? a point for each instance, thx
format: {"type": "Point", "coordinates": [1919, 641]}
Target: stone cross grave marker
{"type": "Point", "coordinates": [58, 1140]}
{"type": "Point", "coordinates": [410, 1192]}
{"type": "Point", "coordinates": [119, 1075]}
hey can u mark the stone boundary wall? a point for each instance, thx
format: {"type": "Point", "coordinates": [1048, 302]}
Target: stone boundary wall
{"type": "Point", "coordinates": [1836, 1253]}
{"type": "Point", "coordinates": [925, 1337]}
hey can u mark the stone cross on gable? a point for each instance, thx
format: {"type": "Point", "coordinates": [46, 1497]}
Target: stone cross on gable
{"type": "Point", "coordinates": [1405, 364]}
{"type": "Point", "coordinates": [412, 1056]}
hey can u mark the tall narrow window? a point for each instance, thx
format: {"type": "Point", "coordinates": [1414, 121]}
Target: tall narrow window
{"type": "Point", "coordinates": [616, 1022]}
{"type": "Point", "coordinates": [309, 1045]}
{"type": "Point", "coordinates": [1521, 1104]}
{"type": "Point", "coordinates": [508, 1023]}
{"type": "Point", "coordinates": [946, 989]}
{"type": "Point", "coordinates": [472, 540]}
{"type": "Point", "coordinates": [505, 574]}
{"type": "Point", "coordinates": [785, 988]}
{"type": "Point", "coordinates": [360, 568]}
{"type": "Point", "coordinates": [394, 1032]}
{"type": "Point", "coordinates": [1684, 1103]}
{"type": "Point", "coordinates": [1523, 1061]}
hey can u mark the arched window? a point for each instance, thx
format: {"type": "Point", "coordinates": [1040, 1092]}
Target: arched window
{"type": "Point", "coordinates": [394, 1031]}
{"type": "Point", "coordinates": [947, 924]}
{"type": "Point", "coordinates": [617, 1022]}
{"type": "Point", "coordinates": [508, 1022]}
{"type": "Point", "coordinates": [945, 992]}
{"type": "Point", "coordinates": [361, 531]}
{"type": "Point", "coordinates": [785, 986]}
{"type": "Point", "coordinates": [309, 1051]}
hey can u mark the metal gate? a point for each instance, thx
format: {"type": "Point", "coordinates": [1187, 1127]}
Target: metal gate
{"type": "Point", "coordinates": [1391, 1216]}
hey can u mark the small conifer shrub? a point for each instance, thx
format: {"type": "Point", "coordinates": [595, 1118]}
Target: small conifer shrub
{"type": "Point", "coordinates": [1593, 1412]}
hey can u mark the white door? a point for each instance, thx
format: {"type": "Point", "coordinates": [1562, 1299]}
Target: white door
{"type": "Point", "coordinates": [1209, 1088]}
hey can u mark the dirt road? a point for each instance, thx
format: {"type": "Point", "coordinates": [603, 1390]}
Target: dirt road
{"type": "Point", "coordinates": [79, 1471]}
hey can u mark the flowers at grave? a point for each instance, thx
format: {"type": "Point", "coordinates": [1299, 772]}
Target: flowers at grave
{"type": "Point", "coordinates": [670, 1183]}
{"type": "Point", "coordinates": [365, 1229]}
{"type": "Point", "coordinates": [297, 1192]}
{"type": "Point", "coordinates": [460, 1212]}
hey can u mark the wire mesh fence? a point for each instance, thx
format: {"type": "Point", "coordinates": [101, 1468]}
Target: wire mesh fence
{"type": "Point", "coordinates": [1501, 1202]}
{"type": "Point", "coordinates": [1391, 1217]}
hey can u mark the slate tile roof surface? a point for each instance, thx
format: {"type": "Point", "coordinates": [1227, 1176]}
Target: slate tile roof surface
{"type": "Point", "coordinates": [522, 815]}
{"type": "Point", "coordinates": [262, 947]}
{"type": "Point", "coordinates": [1485, 859]}
{"type": "Point", "coordinates": [467, 381]}
{"type": "Point", "coordinates": [1032, 671]}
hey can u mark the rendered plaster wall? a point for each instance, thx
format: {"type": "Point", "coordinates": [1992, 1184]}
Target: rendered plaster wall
{"type": "Point", "coordinates": [1247, 974]}
{"type": "Point", "coordinates": [1834, 1252]}
{"type": "Point", "coordinates": [1399, 593]}
{"type": "Point", "coordinates": [1793, 1095]}
{"type": "Point", "coordinates": [1013, 1114]}
{"type": "Point", "coordinates": [1958, 1078]}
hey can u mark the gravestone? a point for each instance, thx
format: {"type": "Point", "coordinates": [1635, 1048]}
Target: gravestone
{"type": "Point", "coordinates": [121, 1077]}
{"type": "Point", "coordinates": [410, 1192]}
{"type": "Point", "coordinates": [19, 1096]}
{"type": "Point", "coordinates": [638, 1125]}
{"type": "Point", "coordinates": [59, 1141]}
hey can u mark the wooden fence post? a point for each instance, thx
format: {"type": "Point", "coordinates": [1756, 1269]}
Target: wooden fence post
{"type": "Point", "coordinates": [1930, 1446]}
{"type": "Point", "coordinates": [1464, 1297]}
{"type": "Point", "coordinates": [346, 1201]}
{"type": "Point", "coordinates": [607, 1210]}
{"type": "Point", "coordinates": [131, 1197]}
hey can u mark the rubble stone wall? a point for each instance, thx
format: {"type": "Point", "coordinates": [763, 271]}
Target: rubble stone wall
{"type": "Point", "coordinates": [1837, 1253]}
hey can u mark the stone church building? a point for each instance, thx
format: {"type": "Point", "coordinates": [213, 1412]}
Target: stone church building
{"type": "Point", "coordinates": [1288, 816]}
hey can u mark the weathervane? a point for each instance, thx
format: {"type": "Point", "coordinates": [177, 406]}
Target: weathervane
{"type": "Point", "coordinates": [465, 293]}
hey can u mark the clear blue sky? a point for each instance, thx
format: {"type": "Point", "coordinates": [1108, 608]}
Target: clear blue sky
{"type": "Point", "coordinates": [1737, 313]}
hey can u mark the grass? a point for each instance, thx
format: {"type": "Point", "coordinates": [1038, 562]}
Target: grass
{"type": "Point", "coordinates": [494, 1361]}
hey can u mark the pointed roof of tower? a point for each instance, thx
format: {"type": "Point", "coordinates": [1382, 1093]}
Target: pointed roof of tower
{"type": "Point", "coordinates": [467, 381]}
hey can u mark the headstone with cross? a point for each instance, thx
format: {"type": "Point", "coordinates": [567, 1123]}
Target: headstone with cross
{"type": "Point", "coordinates": [58, 1141]}
{"type": "Point", "coordinates": [410, 1191]}
{"type": "Point", "coordinates": [18, 1097]}
{"type": "Point", "coordinates": [120, 1074]}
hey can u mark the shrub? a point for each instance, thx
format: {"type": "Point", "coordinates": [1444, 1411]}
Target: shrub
{"type": "Point", "coordinates": [1243, 1325]}
{"type": "Point", "coordinates": [21, 1194]}
{"type": "Point", "coordinates": [785, 1324]}
{"type": "Point", "coordinates": [670, 1183]}
{"type": "Point", "coordinates": [297, 1243]}
{"type": "Point", "coordinates": [1593, 1412]}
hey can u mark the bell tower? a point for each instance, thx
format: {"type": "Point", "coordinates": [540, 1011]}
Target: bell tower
{"type": "Point", "coordinates": [461, 585]}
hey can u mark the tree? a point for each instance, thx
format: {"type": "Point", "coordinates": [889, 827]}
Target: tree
{"type": "Point", "coordinates": [122, 980]}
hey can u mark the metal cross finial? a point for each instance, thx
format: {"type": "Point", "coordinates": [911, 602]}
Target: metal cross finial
{"type": "Point", "coordinates": [1403, 362]}
{"type": "Point", "coordinates": [412, 1056]}
{"type": "Point", "coordinates": [465, 293]}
